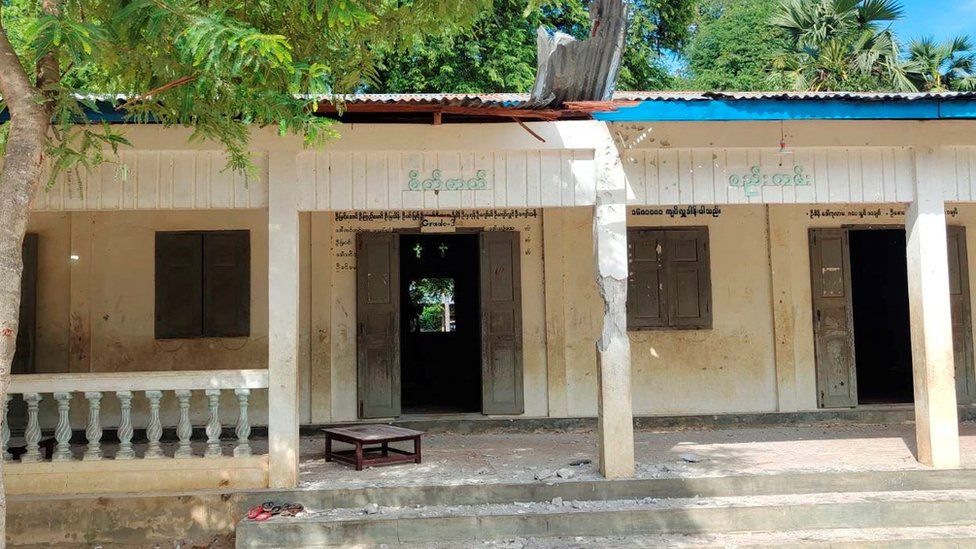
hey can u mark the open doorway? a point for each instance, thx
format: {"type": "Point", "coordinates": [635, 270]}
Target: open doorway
{"type": "Point", "coordinates": [882, 333]}
{"type": "Point", "coordinates": [862, 330]}
{"type": "Point", "coordinates": [440, 326]}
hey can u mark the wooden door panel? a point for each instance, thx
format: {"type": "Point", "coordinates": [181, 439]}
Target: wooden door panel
{"type": "Point", "coordinates": [378, 324]}
{"type": "Point", "coordinates": [959, 299]}
{"type": "Point", "coordinates": [501, 324]}
{"type": "Point", "coordinates": [833, 324]}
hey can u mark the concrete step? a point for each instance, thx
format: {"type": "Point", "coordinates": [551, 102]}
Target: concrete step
{"type": "Point", "coordinates": [470, 525]}
{"type": "Point", "coordinates": [941, 537]}
{"type": "Point", "coordinates": [745, 485]}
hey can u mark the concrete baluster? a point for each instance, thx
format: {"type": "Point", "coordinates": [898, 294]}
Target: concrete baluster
{"type": "Point", "coordinates": [243, 430]}
{"type": "Point", "coordinates": [93, 431]}
{"type": "Point", "coordinates": [184, 430]}
{"type": "Point", "coordinates": [155, 429]}
{"type": "Point", "coordinates": [63, 431]}
{"type": "Point", "coordinates": [213, 424]}
{"type": "Point", "coordinates": [5, 429]}
{"type": "Point", "coordinates": [33, 432]}
{"type": "Point", "coordinates": [125, 426]}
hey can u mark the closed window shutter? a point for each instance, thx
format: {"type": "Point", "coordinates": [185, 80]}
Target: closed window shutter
{"type": "Point", "coordinates": [226, 283]}
{"type": "Point", "coordinates": [689, 284]}
{"type": "Point", "coordinates": [179, 292]}
{"type": "Point", "coordinates": [646, 298]}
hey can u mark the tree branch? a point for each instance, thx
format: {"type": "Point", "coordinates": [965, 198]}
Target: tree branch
{"type": "Point", "coordinates": [48, 66]}
{"type": "Point", "coordinates": [165, 87]}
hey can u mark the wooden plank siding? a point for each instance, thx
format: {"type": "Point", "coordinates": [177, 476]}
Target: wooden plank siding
{"type": "Point", "coordinates": [840, 175]}
{"type": "Point", "coordinates": [159, 180]}
{"type": "Point", "coordinates": [376, 180]}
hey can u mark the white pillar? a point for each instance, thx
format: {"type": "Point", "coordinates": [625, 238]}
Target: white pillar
{"type": "Point", "coordinates": [936, 422]}
{"type": "Point", "coordinates": [283, 311]}
{"type": "Point", "coordinates": [616, 419]}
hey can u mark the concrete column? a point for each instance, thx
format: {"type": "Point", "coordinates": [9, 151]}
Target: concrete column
{"type": "Point", "coordinates": [616, 420]}
{"type": "Point", "coordinates": [283, 315]}
{"type": "Point", "coordinates": [936, 422]}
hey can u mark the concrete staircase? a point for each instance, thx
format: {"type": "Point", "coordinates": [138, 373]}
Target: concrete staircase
{"type": "Point", "coordinates": [875, 509]}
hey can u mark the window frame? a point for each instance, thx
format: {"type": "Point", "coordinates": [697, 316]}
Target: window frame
{"type": "Point", "coordinates": [164, 330]}
{"type": "Point", "coordinates": [666, 278]}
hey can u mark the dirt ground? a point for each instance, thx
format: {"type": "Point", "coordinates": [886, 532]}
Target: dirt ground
{"type": "Point", "coordinates": [512, 458]}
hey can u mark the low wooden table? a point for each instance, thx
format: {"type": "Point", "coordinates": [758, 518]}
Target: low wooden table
{"type": "Point", "coordinates": [377, 436]}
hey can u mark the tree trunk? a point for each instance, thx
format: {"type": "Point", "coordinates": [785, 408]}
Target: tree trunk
{"type": "Point", "coordinates": [19, 181]}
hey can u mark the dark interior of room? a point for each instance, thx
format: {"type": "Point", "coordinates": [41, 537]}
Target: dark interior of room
{"type": "Point", "coordinates": [882, 334]}
{"type": "Point", "coordinates": [440, 365]}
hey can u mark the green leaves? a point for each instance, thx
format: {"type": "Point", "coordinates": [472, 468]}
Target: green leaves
{"type": "Point", "coordinates": [498, 53]}
{"type": "Point", "coordinates": [77, 39]}
{"type": "Point", "coordinates": [840, 45]}
{"type": "Point", "coordinates": [220, 67]}
{"type": "Point", "coordinates": [949, 65]}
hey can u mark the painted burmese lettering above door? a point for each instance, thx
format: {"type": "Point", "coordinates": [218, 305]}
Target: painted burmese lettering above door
{"type": "Point", "coordinates": [454, 180]}
{"type": "Point", "coordinates": [753, 179]}
{"type": "Point", "coordinates": [805, 175]}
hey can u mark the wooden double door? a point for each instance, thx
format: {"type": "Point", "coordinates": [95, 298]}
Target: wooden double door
{"type": "Point", "coordinates": [379, 323]}
{"type": "Point", "coordinates": [833, 322]}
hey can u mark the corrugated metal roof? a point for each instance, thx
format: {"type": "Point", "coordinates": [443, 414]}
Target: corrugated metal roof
{"type": "Point", "coordinates": [520, 100]}
{"type": "Point", "coordinates": [789, 96]}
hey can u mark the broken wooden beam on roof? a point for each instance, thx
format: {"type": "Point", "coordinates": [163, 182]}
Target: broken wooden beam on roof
{"type": "Point", "coordinates": [573, 70]}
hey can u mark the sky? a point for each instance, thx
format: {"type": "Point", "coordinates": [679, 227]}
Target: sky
{"type": "Point", "coordinates": [939, 18]}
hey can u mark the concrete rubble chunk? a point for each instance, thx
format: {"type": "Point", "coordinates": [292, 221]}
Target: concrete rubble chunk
{"type": "Point", "coordinates": [565, 473]}
{"type": "Point", "coordinates": [690, 458]}
{"type": "Point", "coordinates": [557, 501]}
{"type": "Point", "coordinates": [371, 509]}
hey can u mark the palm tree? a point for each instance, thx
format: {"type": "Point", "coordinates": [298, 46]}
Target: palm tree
{"type": "Point", "coordinates": [840, 45]}
{"type": "Point", "coordinates": [942, 66]}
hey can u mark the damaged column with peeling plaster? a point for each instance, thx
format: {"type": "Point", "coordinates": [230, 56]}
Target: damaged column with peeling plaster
{"type": "Point", "coordinates": [615, 420]}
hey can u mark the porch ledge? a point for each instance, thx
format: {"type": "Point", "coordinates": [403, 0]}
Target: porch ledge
{"type": "Point", "coordinates": [140, 475]}
{"type": "Point", "coordinates": [139, 381]}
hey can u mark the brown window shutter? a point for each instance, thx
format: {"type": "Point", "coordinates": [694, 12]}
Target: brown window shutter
{"type": "Point", "coordinates": [689, 281]}
{"type": "Point", "coordinates": [226, 283]}
{"type": "Point", "coordinates": [179, 294]}
{"type": "Point", "coordinates": [646, 295]}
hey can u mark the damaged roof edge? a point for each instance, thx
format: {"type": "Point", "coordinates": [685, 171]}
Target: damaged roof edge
{"type": "Point", "coordinates": [851, 107]}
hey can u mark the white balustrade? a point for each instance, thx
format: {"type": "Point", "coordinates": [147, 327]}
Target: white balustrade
{"type": "Point", "coordinates": [154, 431]}
{"type": "Point", "coordinates": [213, 424]}
{"type": "Point", "coordinates": [33, 432]}
{"type": "Point", "coordinates": [184, 429]}
{"type": "Point", "coordinates": [63, 432]}
{"type": "Point", "coordinates": [125, 426]}
{"type": "Point", "coordinates": [243, 430]}
{"type": "Point", "coordinates": [93, 431]}
{"type": "Point", "coordinates": [126, 388]}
